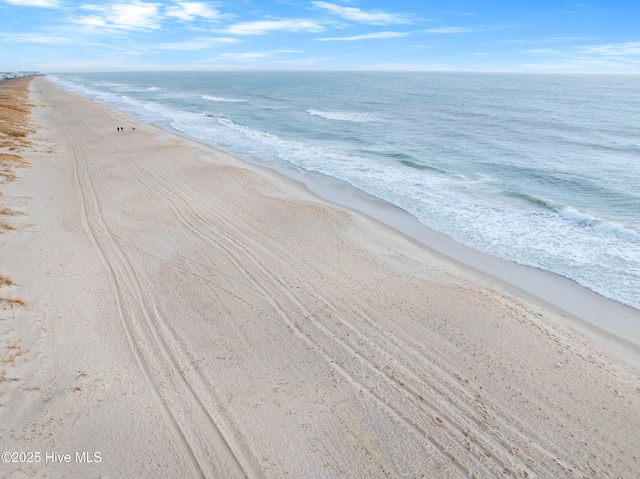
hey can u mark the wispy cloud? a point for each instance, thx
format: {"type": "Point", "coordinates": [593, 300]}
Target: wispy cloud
{"type": "Point", "coordinates": [151, 34]}
{"type": "Point", "coordinates": [247, 57]}
{"type": "Point", "coordinates": [136, 15]}
{"type": "Point", "coordinates": [548, 40]}
{"type": "Point", "coordinates": [613, 57]}
{"type": "Point", "coordinates": [34, 38]}
{"type": "Point", "coordinates": [451, 12]}
{"type": "Point", "coordinates": [264, 26]}
{"type": "Point", "coordinates": [189, 11]}
{"type": "Point", "coordinates": [446, 30]}
{"type": "Point", "coordinates": [360, 16]}
{"type": "Point", "coordinates": [629, 50]}
{"type": "Point", "coordinates": [584, 65]}
{"type": "Point", "coordinates": [613, 49]}
{"type": "Point", "coordinates": [35, 3]}
{"type": "Point", "coordinates": [366, 36]}
{"type": "Point", "coordinates": [244, 57]}
{"type": "Point", "coordinates": [405, 67]}
{"type": "Point", "coordinates": [541, 51]}
{"type": "Point", "coordinates": [197, 43]}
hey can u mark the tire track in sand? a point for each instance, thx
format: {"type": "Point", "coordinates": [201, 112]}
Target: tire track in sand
{"type": "Point", "coordinates": [121, 272]}
{"type": "Point", "coordinates": [496, 454]}
{"type": "Point", "coordinates": [199, 226]}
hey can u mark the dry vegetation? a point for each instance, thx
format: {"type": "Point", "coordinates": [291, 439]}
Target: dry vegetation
{"type": "Point", "coordinates": [14, 301]}
{"type": "Point", "coordinates": [14, 116]}
{"type": "Point", "coordinates": [15, 126]}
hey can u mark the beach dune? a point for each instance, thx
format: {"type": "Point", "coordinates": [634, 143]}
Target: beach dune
{"type": "Point", "coordinates": [191, 315]}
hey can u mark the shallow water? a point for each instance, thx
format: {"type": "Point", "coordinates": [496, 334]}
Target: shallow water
{"type": "Point", "coordinates": [543, 170]}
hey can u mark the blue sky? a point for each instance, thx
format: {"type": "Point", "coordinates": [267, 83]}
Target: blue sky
{"type": "Point", "coordinates": [483, 35]}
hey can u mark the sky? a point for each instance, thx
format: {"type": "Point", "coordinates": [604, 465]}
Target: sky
{"type": "Point", "coordinates": [414, 35]}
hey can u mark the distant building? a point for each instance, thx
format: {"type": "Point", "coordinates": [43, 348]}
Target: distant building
{"type": "Point", "coordinates": [9, 75]}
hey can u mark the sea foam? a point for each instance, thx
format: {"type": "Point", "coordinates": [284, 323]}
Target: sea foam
{"type": "Point", "coordinates": [494, 161]}
{"type": "Point", "coordinates": [342, 116]}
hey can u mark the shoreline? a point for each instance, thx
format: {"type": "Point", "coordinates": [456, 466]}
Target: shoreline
{"type": "Point", "coordinates": [193, 315]}
{"type": "Point", "coordinates": [606, 321]}
{"type": "Point", "coordinates": [581, 307]}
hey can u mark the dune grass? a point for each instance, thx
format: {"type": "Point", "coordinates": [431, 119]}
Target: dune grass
{"type": "Point", "coordinates": [15, 122]}
{"type": "Point", "coordinates": [4, 211]}
{"type": "Point", "coordinates": [15, 128]}
{"type": "Point", "coordinates": [6, 226]}
{"type": "Point", "coordinates": [13, 301]}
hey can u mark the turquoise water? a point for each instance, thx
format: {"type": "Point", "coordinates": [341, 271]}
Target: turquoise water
{"type": "Point", "coordinates": [543, 170]}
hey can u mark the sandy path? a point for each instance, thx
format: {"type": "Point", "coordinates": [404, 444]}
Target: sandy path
{"type": "Point", "coordinates": [194, 316]}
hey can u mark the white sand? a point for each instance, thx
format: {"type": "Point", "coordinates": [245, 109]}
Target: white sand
{"type": "Point", "coordinates": [194, 316]}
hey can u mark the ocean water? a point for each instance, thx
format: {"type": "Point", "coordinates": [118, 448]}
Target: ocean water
{"type": "Point", "coordinates": [542, 170]}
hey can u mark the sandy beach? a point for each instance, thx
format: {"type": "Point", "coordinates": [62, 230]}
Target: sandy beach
{"type": "Point", "coordinates": [187, 314]}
